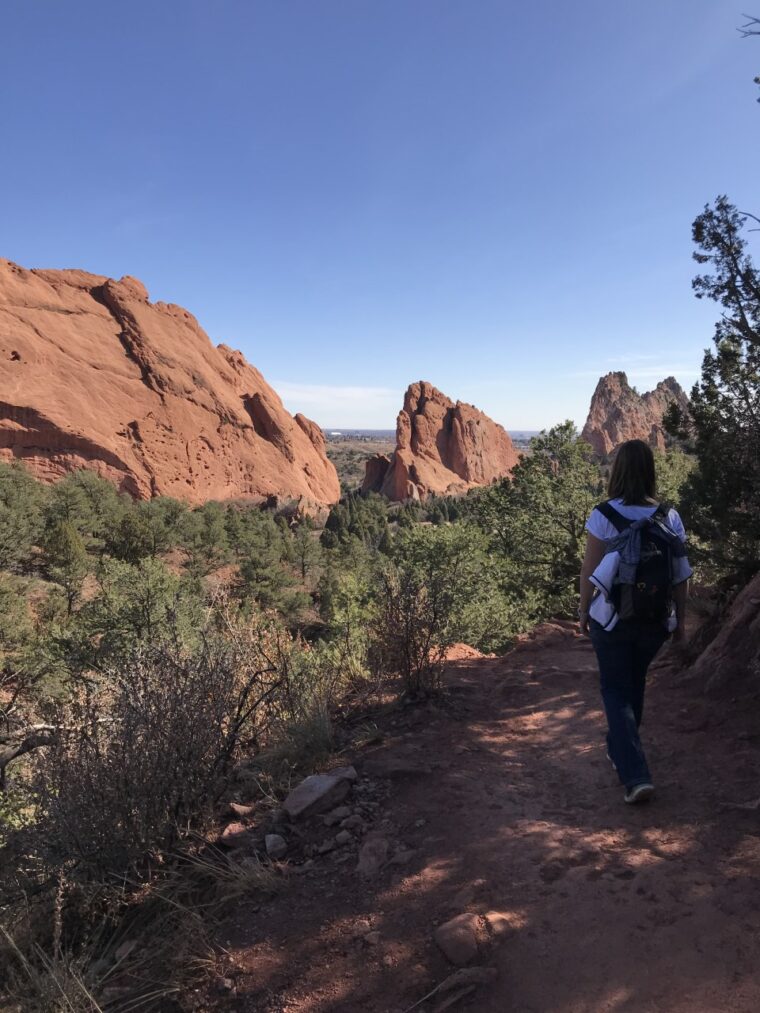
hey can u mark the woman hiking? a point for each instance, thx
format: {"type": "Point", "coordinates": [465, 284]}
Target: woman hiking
{"type": "Point", "coordinates": [632, 598]}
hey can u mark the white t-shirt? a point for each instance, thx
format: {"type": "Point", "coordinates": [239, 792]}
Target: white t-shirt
{"type": "Point", "coordinates": [600, 527]}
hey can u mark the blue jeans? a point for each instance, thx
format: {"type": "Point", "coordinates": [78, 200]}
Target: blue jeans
{"type": "Point", "coordinates": [624, 655]}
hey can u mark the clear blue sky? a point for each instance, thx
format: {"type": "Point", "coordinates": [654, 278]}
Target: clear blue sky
{"type": "Point", "coordinates": [493, 196]}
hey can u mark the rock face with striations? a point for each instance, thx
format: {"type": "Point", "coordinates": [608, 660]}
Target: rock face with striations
{"type": "Point", "coordinates": [442, 449]}
{"type": "Point", "coordinates": [618, 413]}
{"type": "Point", "coordinates": [93, 375]}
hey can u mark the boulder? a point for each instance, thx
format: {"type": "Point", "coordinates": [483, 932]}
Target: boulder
{"type": "Point", "coordinates": [442, 448]}
{"type": "Point", "coordinates": [619, 413]}
{"type": "Point", "coordinates": [731, 661]}
{"type": "Point", "coordinates": [319, 792]}
{"type": "Point", "coordinates": [93, 375]}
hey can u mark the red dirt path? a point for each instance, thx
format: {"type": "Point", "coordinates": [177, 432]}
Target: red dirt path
{"type": "Point", "coordinates": [650, 908]}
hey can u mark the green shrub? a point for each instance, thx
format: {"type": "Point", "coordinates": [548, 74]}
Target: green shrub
{"type": "Point", "coordinates": [22, 502]}
{"type": "Point", "coordinates": [535, 522]}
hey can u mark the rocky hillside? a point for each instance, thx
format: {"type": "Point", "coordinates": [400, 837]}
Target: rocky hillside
{"type": "Point", "coordinates": [96, 376]}
{"type": "Point", "coordinates": [442, 448]}
{"type": "Point", "coordinates": [619, 413]}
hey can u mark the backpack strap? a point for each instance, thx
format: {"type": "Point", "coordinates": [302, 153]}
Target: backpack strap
{"type": "Point", "coordinates": [613, 516]}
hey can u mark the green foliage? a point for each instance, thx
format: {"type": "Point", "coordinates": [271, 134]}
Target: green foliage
{"type": "Point", "coordinates": [535, 522]}
{"type": "Point", "coordinates": [305, 551]}
{"type": "Point", "coordinates": [444, 509]}
{"type": "Point", "coordinates": [435, 590]}
{"type": "Point", "coordinates": [21, 505]}
{"type": "Point", "coordinates": [16, 639]}
{"type": "Point", "coordinates": [16, 626]}
{"type": "Point", "coordinates": [409, 514]}
{"type": "Point", "coordinates": [136, 604]}
{"type": "Point", "coordinates": [139, 530]}
{"type": "Point", "coordinates": [87, 502]}
{"type": "Point", "coordinates": [66, 558]}
{"type": "Point", "coordinates": [144, 754]}
{"type": "Point", "coordinates": [204, 535]}
{"type": "Point", "coordinates": [261, 545]}
{"type": "Point", "coordinates": [721, 497]}
{"type": "Point", "coordinates": [362, 517]}
{"type": "Point", "coordinates": [16, 810]}
{"type": "Point", "coordinates": [673, 468]}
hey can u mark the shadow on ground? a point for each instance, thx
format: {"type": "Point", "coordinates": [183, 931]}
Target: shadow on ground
{"type": "Point", "coordinates": [651, 908]}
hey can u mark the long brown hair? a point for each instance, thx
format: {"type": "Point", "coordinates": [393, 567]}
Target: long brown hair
{"type": "Point", "coordinates": [632, 478]}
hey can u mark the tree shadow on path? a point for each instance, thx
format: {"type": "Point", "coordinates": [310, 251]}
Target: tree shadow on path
{"type": "Point", "coordinates": [516, 809]}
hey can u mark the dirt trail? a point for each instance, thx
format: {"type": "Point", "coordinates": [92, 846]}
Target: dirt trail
{"type": "Point", "coordinates": [514, 807]}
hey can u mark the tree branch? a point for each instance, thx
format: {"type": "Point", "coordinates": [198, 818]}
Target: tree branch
{"type": "Point", "coordinates": [13, 745]}
{"type": "Point", "coordinates": [751, 28]}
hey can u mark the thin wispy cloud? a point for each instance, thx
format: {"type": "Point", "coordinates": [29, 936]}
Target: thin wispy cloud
{"type": "Point", "coordinates": [341, 406]}
{"type": "Point", "coordinates": [628, 359]}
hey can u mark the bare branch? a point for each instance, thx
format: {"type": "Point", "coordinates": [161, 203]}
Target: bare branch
{"type": "Point", "coordinates": [751, 28]}
{"type": "Point", "coordinates": [26, 741]}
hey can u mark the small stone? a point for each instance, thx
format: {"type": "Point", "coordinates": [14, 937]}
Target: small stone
{"type": "Point", "coordinates": [276, 845]}
{"type": "Point", "coordinates": [372, 856]}
{"type": "Point", "coordinates": [336, 815]}
{"type": "Point", "coordinates": [458, 938]}
{"type": "Point", "coordinates": [237, 809]}
{"type": "Point", "coordinates": [234, 835]}
{"type": "Point", "coordinates": [499, 923]}
{"type": "Point", "coordinates": [402, 857]}
{"type": "Point", "coordinates": [354, 822]}
{"type": "Point", "coordinates": [372, 938]}
{"type": "Point", "coordinates": [319, 792]}
{"type": "Point", "coordinates": [344, 837]}
{"type": "Point", "coordinates": [420, 822]}
{"type": "Point", "coordinates": [326, 845]}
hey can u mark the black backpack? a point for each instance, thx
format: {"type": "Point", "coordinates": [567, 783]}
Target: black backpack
{"type": "Point", "coordinates": [649, 598]}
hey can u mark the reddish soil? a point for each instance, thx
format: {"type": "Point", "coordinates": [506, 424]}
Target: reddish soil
{"type": "Point", "coordinates": [514, 807]}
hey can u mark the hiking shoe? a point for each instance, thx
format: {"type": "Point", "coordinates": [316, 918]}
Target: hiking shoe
{"type": "Point", "coordinates": [639, 793]}
{"type": "Point", "coordinates": [611, 761]}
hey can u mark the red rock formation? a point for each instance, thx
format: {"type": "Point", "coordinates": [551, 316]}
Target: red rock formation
{"type": "Point", "coordinates": [732, 659]}
{"type": "Point", "coordinates": [618, 413]}
{"type": "Point", "coordinates": [93, 375]}
{"type": "Point", "coordinates": [442, 449]}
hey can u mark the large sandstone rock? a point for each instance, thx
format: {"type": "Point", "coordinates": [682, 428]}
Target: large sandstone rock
{"type": "Point", "coordinates": [732, 660]}
{"type": "Point", "coordinates": [442, 449]}
{"type": "Point", "coordinates": [618, 413]}
{"type": "Point", "coordinates": [94, 375]}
